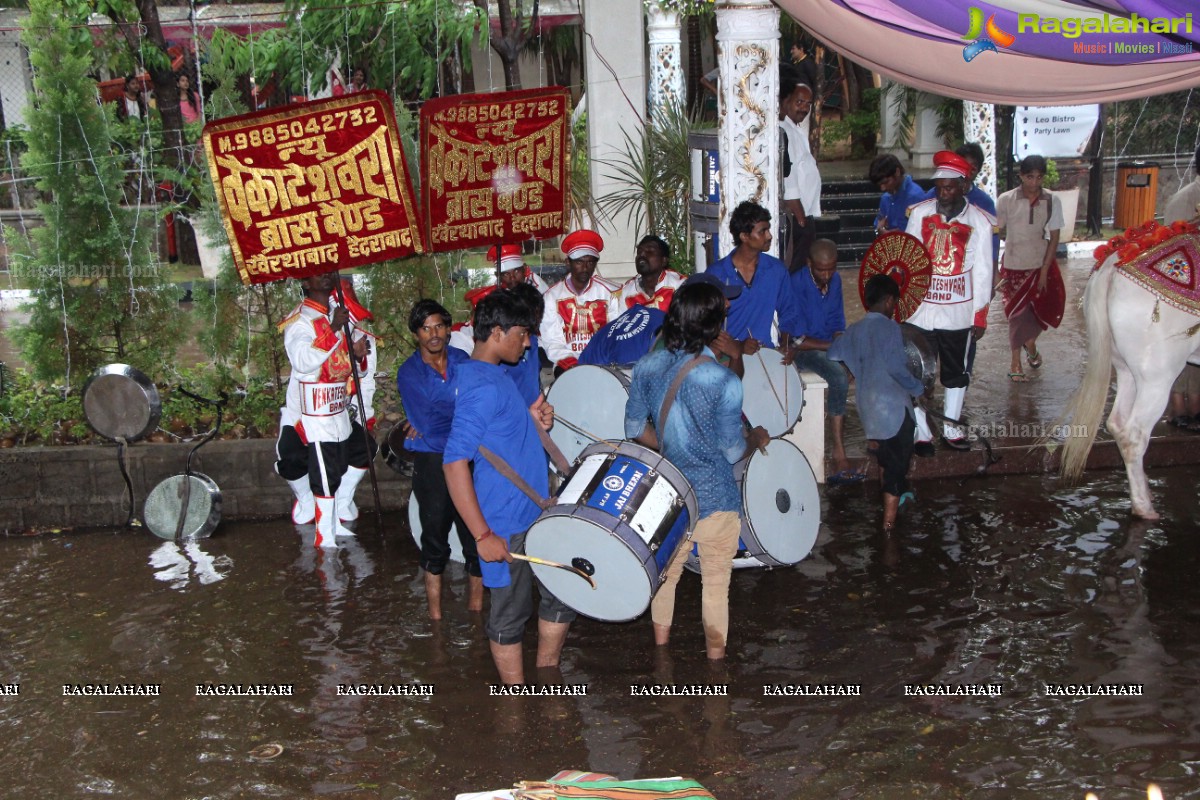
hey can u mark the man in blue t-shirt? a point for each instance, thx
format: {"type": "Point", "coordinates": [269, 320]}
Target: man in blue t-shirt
{"type": "Point", "coordinates": [426, 384]}
{"type": "Point", "coordinates": [818, 290]}
{"type": "Point", "coordinates": [626, 339]}
{"type": "Point", "coordinates": [766, 299]}
{"type": "Point", "coordinates": [702, 436]}
{"type": "Point", "coordinates": [490, 413]}
{"type": "Point", "coordinates": [900, 193]}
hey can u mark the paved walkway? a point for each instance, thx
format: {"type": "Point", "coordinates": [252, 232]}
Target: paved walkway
{"type": "Point", "coordinates": [1015, 415]}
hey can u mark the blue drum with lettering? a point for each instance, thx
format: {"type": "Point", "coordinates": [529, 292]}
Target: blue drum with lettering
{"type": "Point", "coordinates": [619, 518]}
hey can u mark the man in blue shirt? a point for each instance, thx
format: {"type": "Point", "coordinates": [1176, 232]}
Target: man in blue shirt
{"type": "Point", "coordinates": [767, 298]}
{"type": "Point", "coordinates": [818, 290]}
{"type": "Point", "coordinates": [702, 436]}
{"type": "Point", "coordinates": [899, 193]}
{"type": "Point", "coordinates": [490, 413]}
{"type": "Point", "coordinates": [426, 384]}
{"type": "Point", "coordinates": [873, 350]}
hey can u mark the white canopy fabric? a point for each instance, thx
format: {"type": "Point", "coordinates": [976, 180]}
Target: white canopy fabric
{"type": "Point", "coordinates": [947, 47]}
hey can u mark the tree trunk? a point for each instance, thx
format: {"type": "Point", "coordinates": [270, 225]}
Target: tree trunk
{"type": "Point", "coordinates": [513, 34]}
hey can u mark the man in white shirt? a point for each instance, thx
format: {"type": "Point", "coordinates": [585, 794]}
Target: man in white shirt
{"type": "Point", "coordinates": [802, 182]}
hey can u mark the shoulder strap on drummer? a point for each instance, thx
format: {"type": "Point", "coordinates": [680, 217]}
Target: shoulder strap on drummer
{"type": "Point", "coordinates": [673, 389]}
{"type": "Point", "coordinates": [505, 469]}
{"type": "Point", "coordinates": [556, 455]}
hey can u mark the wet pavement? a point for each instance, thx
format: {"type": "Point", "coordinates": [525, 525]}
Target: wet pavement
{"type": "Point", "coordinates": [1015, 582]}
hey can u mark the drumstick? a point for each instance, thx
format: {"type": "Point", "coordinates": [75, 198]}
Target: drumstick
{"type": "Point", "coordinates": [585, 432]}
{"type": "Point", "coordinates": [770, 382]}
{"type": "Point", "coordinates": [556, 565]}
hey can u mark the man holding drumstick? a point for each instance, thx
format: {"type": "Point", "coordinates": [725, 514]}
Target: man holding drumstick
{"type": "Point", "coordinates": [690, 408]}
{"type": "Point", "coordinates": [492, 419]}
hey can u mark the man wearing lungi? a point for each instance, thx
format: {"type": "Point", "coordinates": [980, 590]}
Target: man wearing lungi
{"type": "Point", "coordinates": [490, 416]}
{"type": "Point", "coordinates": [1032, 220]}
{"type": "Point", "coordinates": [702, 436]}
{"type": "Point", "coordinates": [958, 238]}
{"type": "Point", "coordinates": [321, 452]}
{"type": "Point", "coordinates": [578, 305]}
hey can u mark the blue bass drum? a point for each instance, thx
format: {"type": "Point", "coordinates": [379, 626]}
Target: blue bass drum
{"type": "Point", "coordinates": [619, 518]}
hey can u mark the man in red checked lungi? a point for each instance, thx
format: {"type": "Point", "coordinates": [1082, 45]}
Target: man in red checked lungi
{"type": "Point", "coordinates": [322, 453]}
{"type": "Point", "coordinates": [578, 306]}
{"type": "Point", "coordinates": [958, 237]}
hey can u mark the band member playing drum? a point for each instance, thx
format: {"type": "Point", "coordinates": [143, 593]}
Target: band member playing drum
{"type": "Point", "coordinates": [767, 300]}
{"type": "Point", "coordinates": [317, 440]}
{"type": "Point", "coordinates": [872, 349]}
{"type": "Point", "coordinates": [695, 418]}
{"type": "Point", "coordinates": [580, 304]}
{"type": "Point", "coordinates": [426, 384]}
{"type": "Point", "coordinates": [492, 419]}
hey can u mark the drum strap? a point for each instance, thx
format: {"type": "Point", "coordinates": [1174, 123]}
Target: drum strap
{"type": "Point", "coordinates": [556, 455]}
{"type": "Point", "coordinates": [673, 389]}
{"type": "Point", "coordinates": [507, 471]}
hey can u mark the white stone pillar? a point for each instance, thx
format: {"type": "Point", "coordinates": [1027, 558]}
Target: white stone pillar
{"type": "Point", "coordinates": [979, 125]}
{"type": "Point", "coordinates": [748, 55]}
{"type": "Point", "coordinates": [616, 99]}
{"type": "Point", "coordinates": [666, 70]}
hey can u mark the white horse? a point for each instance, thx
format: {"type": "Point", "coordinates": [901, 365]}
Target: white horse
{"type": "Point", "coordinates": [1148, 341]}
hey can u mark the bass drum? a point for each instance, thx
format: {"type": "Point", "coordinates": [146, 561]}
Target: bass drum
{"type": "Point", "coordinates": [166, 503]}
{"type": "Point", "coordinates": [772, 393]}
{"type": "Point", "coordinates": [414, 523]}
{"type": "Point", "coordinates": [588, 398]}
{"type": "Point", "coordinates": [619, 518]}
{"type": "Point", "coordinates": [781, 508]}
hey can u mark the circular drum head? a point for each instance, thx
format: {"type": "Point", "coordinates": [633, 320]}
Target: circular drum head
{"type": "Point", "coordinates": [781, 503]}
{"type": "Point", "coordinates": [414, 524]}
{"type": "Point", "coordinates": [166, 501]}
{"type": "Point", "coordinates": [773, 394]}
{"type": "Point", "coordinates": [590, 398]}
{"type": "Point", "coordinates": [120, 402]}
{"type": "Point", "coordinates": [395, 454]}
{"type": "Point", "coordinates": [623, 586]}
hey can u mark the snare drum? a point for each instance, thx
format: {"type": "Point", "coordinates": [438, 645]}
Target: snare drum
{"type": "Point", "coordinates": [620, 517]}
{"type": "Point", "coordinates": [414, 523]}
{"type": "Point", "coordinates": [773, 394]}
{"type": "Point", "coordinates": [589, 403]}
{"type": "Point", "coordinates": [781, 508]}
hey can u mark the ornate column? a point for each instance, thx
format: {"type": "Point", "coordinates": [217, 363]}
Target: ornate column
{"type": "Point", "coordinates": [979, 125]}
{"type": "Point", "coordinates": [666, 70]}
{"type": "Point", "coordinates": [748, 55]}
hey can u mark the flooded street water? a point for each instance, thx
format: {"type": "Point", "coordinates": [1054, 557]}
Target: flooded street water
{"type": "Point", "coordinates": [1016, 581]}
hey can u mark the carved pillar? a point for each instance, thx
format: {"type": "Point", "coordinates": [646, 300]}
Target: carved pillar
{"type": "Point", "coordinates": [748, 55]}
{"type": "Point", "coordinates": [979, 125]}
{"type": "Point", "coordinates": [666, 70]}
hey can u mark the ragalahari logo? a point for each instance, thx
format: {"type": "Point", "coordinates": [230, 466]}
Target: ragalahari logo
{"type": "Point", "coordinates": [980, 42]}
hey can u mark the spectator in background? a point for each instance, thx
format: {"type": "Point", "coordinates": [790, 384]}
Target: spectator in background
{"type": "Point", "coordinates": [900, 193]}
{"type": "Point", "coordinates": [133, 102]}
{"type": "Point", "coordinates": [189, 100]}
{"type": "Point", "coordinates": [358, 81]}
{"type": "Point", "coordinates": [802, 180]}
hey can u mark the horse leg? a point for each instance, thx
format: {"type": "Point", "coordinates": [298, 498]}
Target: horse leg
{"type": "Point", "coordinates": [1134, 437]}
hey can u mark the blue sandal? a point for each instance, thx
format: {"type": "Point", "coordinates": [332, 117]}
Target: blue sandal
{"type": "Point", "coordinates": [846, 477]}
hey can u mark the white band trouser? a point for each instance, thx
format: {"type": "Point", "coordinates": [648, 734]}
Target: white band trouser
{"type": "Point", "coordinates": [923, 433]}
{"type": "Point", "coordinates": [953, 406]}
{"type": "Point", "coordinates": [347, 509]}
{"type": "Point", "coordinates": [304, 510]}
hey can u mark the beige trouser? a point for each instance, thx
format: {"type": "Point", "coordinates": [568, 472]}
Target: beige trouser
{"type": "Point", "coordinates": [716, 537]}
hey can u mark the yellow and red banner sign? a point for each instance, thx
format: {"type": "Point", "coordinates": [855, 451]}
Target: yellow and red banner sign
{"type": "Point", "coordinates": [313, 188]}
{"type": "Point", "coordinates": [496, 167]}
